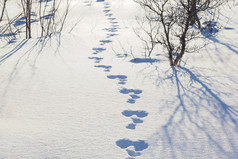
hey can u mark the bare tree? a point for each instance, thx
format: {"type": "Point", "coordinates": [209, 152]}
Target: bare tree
{"type": "Point", "coordinates": [51, 21]}
{"type": "Point", "coordinates": [45, 17]}
{"type": "Point", "coordinates": [175, 24]}
{"type": "Point", "coordinates": [51, 15]}
{"type": "Point", "coordinates": [7, 29]}
{"type": "Point", "coordinates": [26, 6]}
{"type": "Point", "coordinates": [3, 9]}
{"type": "Point", "coordinates": [65, 15]}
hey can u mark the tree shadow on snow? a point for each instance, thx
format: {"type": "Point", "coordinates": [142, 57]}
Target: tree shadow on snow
{"type": "Point", "coordinates": [201, 123]}
{"type": "Point", "coordinates": [40, 44]}
{"type": "Point", "coordinates": [13, 51]}
{"type": "Point", "coordinates": [211, 30]}
{"type": "Point", "coordinates": [144, 60]}
{"type": "Point", "coordinates": [30, 55]}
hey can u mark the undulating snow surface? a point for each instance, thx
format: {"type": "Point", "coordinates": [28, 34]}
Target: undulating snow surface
{"type": "Point", "coordinates": [82, 95]}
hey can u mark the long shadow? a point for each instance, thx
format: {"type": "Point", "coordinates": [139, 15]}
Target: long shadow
{"type": "Point", "coordinates": [41, 42]}
{"type": "Point", "coordinates": [35, 50]}
{"type": "Point", "coordinates": [225, 110]}
{"type": "Point", "coordinates": [198, 114]}
{"type": "Point", "coordinates": [144, 60]}
{"type": "Point", "coordinates": [233, 48]}
{"type": "Point", "coordinates": [13, 51]}
{"type": "Point", "coordinates": [211, 30]}
{"type": "Point", "coordinates": [22, 21]}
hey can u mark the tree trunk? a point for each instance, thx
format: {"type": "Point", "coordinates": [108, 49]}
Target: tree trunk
{"type": "Point", "coordinates": [171, 59]}
{"type": "Point", "coordinates": [183, 40]}
{"type": "Point", "coordinates": [193, 11]}
{"type": "Point", "coordinates": [28, 19]}
{"type": "Point", "coordinates": [3, 9]}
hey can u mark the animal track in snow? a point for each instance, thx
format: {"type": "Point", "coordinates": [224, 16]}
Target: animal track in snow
{"type": "Point", "coordinates": [127, 91]}
{"type": "Point", "coordinates": [133, 153]}
{"type": "Point", "coordinates": [98, 50]}
{"type": "Point", "coordinates": [106, 68]}
{"type": "Point", "coordinates": [133, 148]}
{"type": "Point", "coordinates": [110, 35]}
{"type": "Point", "coordinates": [108, 14]}
{"type": "Point", "coordinates": [111, 30]}
{"type": "Point", "coordinates": [122, 78]}
{"type": "Point", "coordinates": [113, 22]}
{"type": "Point", "coordinates": [111, 19]}
{"type": "Point", "coordinates": [139, 145]}
{"type": "Point", "coordinates": [96, 59]}
{"type": "Point", "coordinates": [103, 42]}
{"type": "Point", "coordinates": [107, 10]}
{"type": "Point", "coordinates": [122, 55]}
{"type": "Point", "coordinates": [133, 94]}
{"type": "Point", "coordinates": [140, 114]}
{"type": "Point", "coordinates": [135, 116]}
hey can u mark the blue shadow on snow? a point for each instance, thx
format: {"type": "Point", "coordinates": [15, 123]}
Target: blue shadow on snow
{"type": "Point", "coordinates": [143, 60]}
{"type": "Point", "coordinates": [106, 68]}
{"type": "Point", "coordinates": [96, 59]}
{"type": "Point", "coordinates": [140, 114]}
{"type": "Point", "coordinates": [193, 99]}
{"type": "Point", "coordinates": [103, 42]}
{"type": "Point", "coordinates": [13, 51]}
{"type": "Point", "coordinates": [122, 78]}
{"type": "Point", "coordinates": [133, 94]}
{"type": "Point", "coordinates": [209, 32]}
{"type": "Point", "coordinates": [98, 50]}
{"type": "Point", "coordinates": [136, 119]}
{"type": "Point", "coordinates": [138, 145]}
{"type": "Point", "coordinates": [127, 91]}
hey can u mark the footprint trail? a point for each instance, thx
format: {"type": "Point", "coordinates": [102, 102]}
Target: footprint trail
{"type": "Point", "coordinates": [132, 148]}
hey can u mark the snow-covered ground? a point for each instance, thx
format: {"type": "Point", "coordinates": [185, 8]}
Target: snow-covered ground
{"type": "Point", "coordinates": [81, 95]}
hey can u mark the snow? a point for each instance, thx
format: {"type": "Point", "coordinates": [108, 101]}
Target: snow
{"type": "Point", "coordinates": [83, 95]}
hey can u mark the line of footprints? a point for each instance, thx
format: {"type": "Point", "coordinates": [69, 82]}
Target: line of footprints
{"type": "Point", "coordinates": [133, 148]}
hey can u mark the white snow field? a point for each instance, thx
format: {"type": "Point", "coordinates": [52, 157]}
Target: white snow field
{"type": "Point", "coordinates": [80, 95]}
